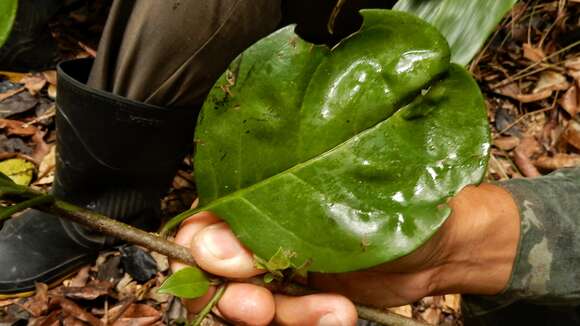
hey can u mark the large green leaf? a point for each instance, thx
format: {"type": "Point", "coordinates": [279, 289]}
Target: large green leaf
{"type": "Point", "coordinates": [7, 15]}
{"type": "Point", "coordinates": [306, 150]}
{"type": "Point", "coordinates": [465, 23]}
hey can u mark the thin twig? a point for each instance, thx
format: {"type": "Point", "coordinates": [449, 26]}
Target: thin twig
{"type": "Point", "coordinates": [172, 250]}
{"type": "Point", "coordinates": [209, 306]}
{"type": "Point", "coordinates": [521, 72]}
{"type": "Point", "coordinates": [333, 15]}
{"type": "Point", "coordinates": [11, 93]}
{"type": "Point", "coordinates": [51, 112]}
{"type": "Point", "coordinates": [379, 317]}
{"type": "Point", "coordinates": [518, 120]}
{"type": "Point", "coordinates": [120, 230]}
{"type": "Point", "coordinates": [502, 171]}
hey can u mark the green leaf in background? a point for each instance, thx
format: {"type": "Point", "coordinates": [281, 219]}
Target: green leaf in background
{"type": "Point", "coordinates": [465, 23]}
{"type": "Point", "coordinates": [7, 15]}
{"type": "Point", "coordinates": [19, 170]}
{"type": "Point", "coordinates": [8, 187]}
{"type": "Point", "coordinates": [345, 158]}
{"type": "Point", "coordinates": [189, 283]}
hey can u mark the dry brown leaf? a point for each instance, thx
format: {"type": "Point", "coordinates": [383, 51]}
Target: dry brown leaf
{"type": "Point", "coordinates": [49, 113]}
{"type": "Point", "coordinates": [452, 302]}
{"type": "Point", "coordinates": [506, 143]}
{"type": "Point", "coordinates": [7, 302]}
{"type": "Point", "coordinates": [52, 91]}
{"type": "Point", "coordinates": [557, 161]}
{"type": "Point", "coordinates": [510, 90]}
{"type": "Point", "coordinates": [81, 278]}
{"type": "Point", "coordinates": [572, 134]}
{"type": "Point", "coordinates": [128, 288]}
{"type": "Point", "coordinates": [38, 304]}
{"type": "Point", "coordinates": [72, 309]}
{"type": "Point", "coordinates": [33, 83]}
{"type": "Point", "coordinates": [90, 51]}
{"type": "Point", "coordinates": [161, 260]}
{"type": "Point", "coordinates": [91, 291]}
{"type": "Point", "coordinates": [551, 80]}
{"type": "Point", "coordinates": [41, 148]}
{"type": "Point", "coordinates": [14, 77]}
{"type": "Point", "coordinates": [529, 146]}
{"type": "Point", "coordinates": [117, 311]}
{"type": "Point", "coordinates": [406, 311]}
{"type": "Point", "coordinates": [533, 54]}
{"type": "Point", "coordinates": [139, 315]}
{"type": "Point", "coordinates": [500, 167]}
{"type": "Point", "coordinates": [46, 167]}
{"type": "Point", "coordinates": [570, 101]}
{"type": "Point", "coordinates": [573, 63]}
{"type": "Point", "coordinates": [50, 76]}
{"type": "Point", "coordinates": [534, 97]}
{"type": "Point", "coordinates": [53, 319]}
{"type": "Point", "coordinates": [72, 321]}
{"type": "Point", "coordinates": [431, 315]}
{"type": "Point", "coordinates": [14, 127]}
{"type": "Point", "coordinates": [513, 91]}
{"type": "Point", "coordinates": [522, 156]}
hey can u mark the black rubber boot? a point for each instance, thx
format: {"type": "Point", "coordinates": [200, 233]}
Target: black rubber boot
{"type": "Point", "coordinates": [30, 45]}
{"type": "Point", "coordinates": [114, 156]}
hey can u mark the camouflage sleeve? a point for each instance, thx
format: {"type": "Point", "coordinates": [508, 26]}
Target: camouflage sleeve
{"type": "Point", "coordinates": [547, 266]}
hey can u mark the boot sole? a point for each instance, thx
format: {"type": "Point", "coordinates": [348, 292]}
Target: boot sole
{"type": "Point", "coordinates": [25, 294]}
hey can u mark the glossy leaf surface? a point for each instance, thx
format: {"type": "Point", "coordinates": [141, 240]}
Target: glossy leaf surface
{"type": "Point", "coordinates": [342, 158]}
{"type": "Point", "coordinates": [465, 23]}
{"type": "Point", "coordinates": [7, 15]}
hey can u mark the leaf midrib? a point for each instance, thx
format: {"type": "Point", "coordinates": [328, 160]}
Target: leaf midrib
{"type": "Point", "coordinates": [240, 192]}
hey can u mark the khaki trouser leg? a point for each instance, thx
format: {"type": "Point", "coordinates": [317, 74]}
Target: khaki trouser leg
{"type": "Point", "coordinates": [170, 53]}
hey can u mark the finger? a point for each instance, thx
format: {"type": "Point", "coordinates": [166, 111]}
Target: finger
{"type": "Point", "coordinates": [247, 304]}
{"type": "Point", "coordinates": [194, 306]}
{"type": "Point", "coordinates": [241, 304]}
{"type": "Point", "coordinates": [217, 250]}
{"type": "Point", "coordinates": [188, 229]}
{"type": "Point", "coordinates": [316, 309]}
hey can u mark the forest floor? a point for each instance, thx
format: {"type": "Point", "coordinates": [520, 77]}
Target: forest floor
{"type": "Point", "coordinates": [529, 72]}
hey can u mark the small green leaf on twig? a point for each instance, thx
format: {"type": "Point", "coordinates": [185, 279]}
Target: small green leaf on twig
{"type": "Point", "coordinates": [188, 283]}
{"type": "Point", "coordinates": [282, 260]}
{"type": "Point", "coordinates": [268, 278]}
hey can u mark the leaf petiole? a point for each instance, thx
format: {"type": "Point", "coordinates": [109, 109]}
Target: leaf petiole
{"type": "Point", "coordinates": [176, 220]}
{"type": "Point", "coordinates": [209, 306]}
{"type": "Point", "coordinates": [6, 212]}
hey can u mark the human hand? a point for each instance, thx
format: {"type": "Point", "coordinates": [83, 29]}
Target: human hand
{"type": "Point", "coordinates": [473, 252]}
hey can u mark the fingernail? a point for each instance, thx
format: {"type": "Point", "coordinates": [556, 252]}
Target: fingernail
{"type": "Point", "coordinates": [330, 320]}
{"type": "Point", "coordinates": [221, 242]}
